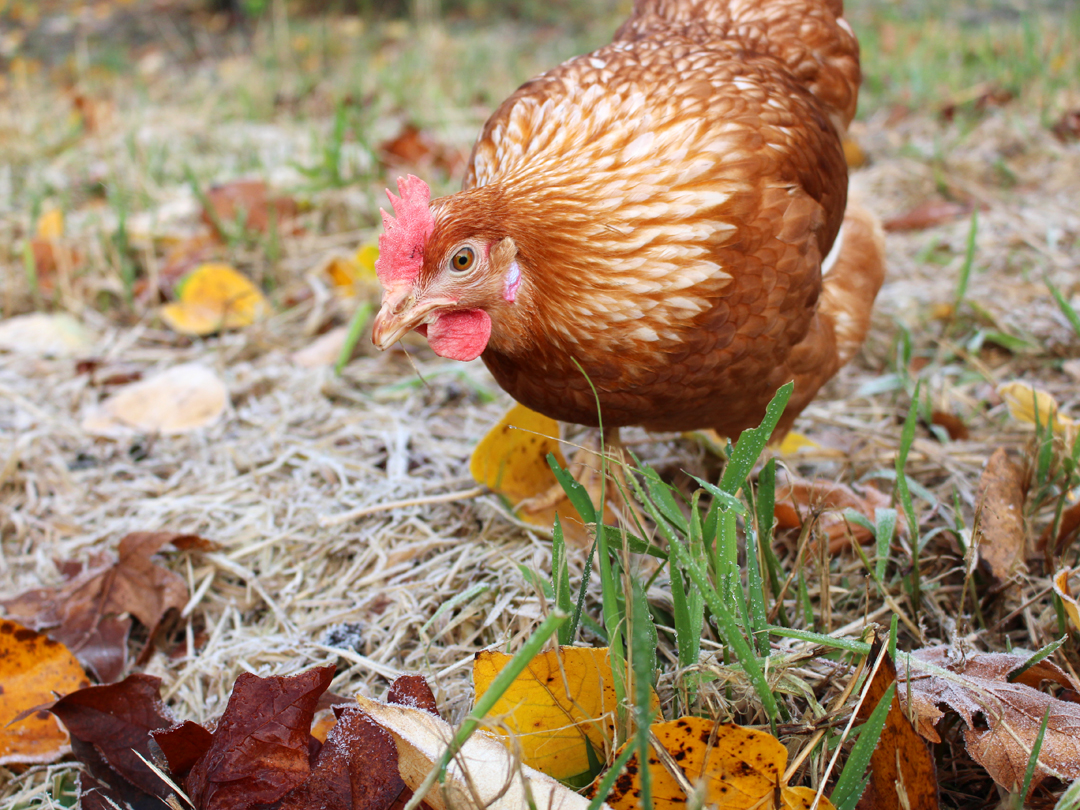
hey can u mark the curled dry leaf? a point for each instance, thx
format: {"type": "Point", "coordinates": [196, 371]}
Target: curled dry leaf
{"type": "Point", "coordinates": [1067, 529]}
{"type": "Point", "coordinates": [1002, 718]}
{"type": "Point", "coordinates": [45, 335]}
{"type": "Point", "coordinates": [928, 214]}
{"type": "Point", "coordinates": [1068, 601]}
{"type": "Point", "coordinates": [560, 706]}
{"type": "Point", "coordinates": [213, 297]}
{"type": "Point", "coordinates": [902, 771]}
{"type": "Point", "coordinates": [740, 768]}
{"type": "Point", "coordinates": [797, 498]}
{"type": "Point", "coordinates": [251, 202]}
{"type": "Point", "coordinates": [1000, 537]}
{"type": "Point", "coordinates": [953, 425]}
{"type": "Point", "coordinates": [178, 400]}
{"type": "Point", "coordinates": [33, 668]}
{"type": "Point", "coordinates": [483, 776]}
{"type": "Point", "coordinates": [91, 612]}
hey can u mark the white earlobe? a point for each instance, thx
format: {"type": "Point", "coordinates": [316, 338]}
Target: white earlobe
{"type": "Point", "coordinates": [513, 281]}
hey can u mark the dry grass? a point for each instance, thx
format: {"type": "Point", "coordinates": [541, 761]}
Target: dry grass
{"type": "Point", "coordinates": [290, 588]}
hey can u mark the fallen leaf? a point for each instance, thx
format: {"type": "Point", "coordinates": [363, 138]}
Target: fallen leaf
{"type": "Point", "coordinates": [928, 214]}
{"type": "Point", "coordinates": [853, 153]}
{"type": "Point", "coordinates": [260, 747]}
{"type": "Point", "coordinates": [110, 726]}
{"type": "Point", "coordinates": [1068, 601]}
{"type": "Point", "coordinates": [1069, 526]}
{"type": "Point", "coordinates": [953, 425]}
{"type": "Point", "coordinates": [91, 612]}
{"type": "Point", "coordinates": [1030, 405]}
{"type": "Point", "coordinates": [251, 202]}
{"type": "Point", "coordinates": [353, 275]}
{"type": "Point", "coordinates": [483, 768]}
{"type": "Point", "coordinates": [1000, 537]}
{"type": "Point", "coordinates": [902, 771]}
{"type": "Point", "coordinates": [44, 334]}
{"type": "Point", "coordinates": [1067, 128]}
{"type": "Point", "coordinates": [413, 691]}
{"type": "Point", "coordinates": [741, 769]}
{"type": "Point", "coordinates": [50, 225]}
{"type": "Point", "coordinates": [415, 149]}
{"type": "Point", "coordinates": [560, 706]}
{"type": "Point", "coordinates": [512, 458]}
{"type": "Point", "coordinates": [183, 745]}
{"type": "Point", "coordinates": [797, 498]}
{"type": "Point", "coordinates": [323, 351]}
{"type": "Point", "coordinates": [793, 442]}
{"type": "Point", "coordinates": [178, 400]}
{"type": "Point", "coordinates": [1002, 718]}
{"type": "Point", "coordinates": [355, 768]}
{"type": "Point", "coordinates": [213, 297]}
{"type": "Point", "coordinates": [32, 668]}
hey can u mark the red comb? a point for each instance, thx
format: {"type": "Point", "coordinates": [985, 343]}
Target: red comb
{"type": "Point", "coordinates": [401, 245]}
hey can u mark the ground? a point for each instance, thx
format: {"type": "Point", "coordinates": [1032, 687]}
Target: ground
{"type": "Point", "coordinates": [121, 116]}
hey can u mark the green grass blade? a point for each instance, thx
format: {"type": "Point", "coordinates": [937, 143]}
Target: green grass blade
{"type": "Point", "coordinates": [560, 582]}
{"type": "Point", "coordinates": [884, 530]}
{"type": "Point", "coordinates": [1066, 308]}
{"type": "Point", "coordinates": [907, 437]}
{"type": "Point", "coordinates": [1033, 760]}
{"type": "Point", "coordinates": [356, 327]}
{"type": "Point", "coordinates": [850, 785]}
{"type": "Point", "coordinates": [643, 642]}
{"type": "Point", "coordinates": [575, 491]}
{"type": "Point", "coordinates": [1042, 654]}
{"type": "Point", "coordinates": [748, 448]}
{"type": "Point", "coordinates": [756, 592]}
{"type": "Point", "coordinates": [832, 642]}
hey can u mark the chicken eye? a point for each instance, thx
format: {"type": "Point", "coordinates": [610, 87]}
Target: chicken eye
{"type": "Point", "coordinates": [463, 260]}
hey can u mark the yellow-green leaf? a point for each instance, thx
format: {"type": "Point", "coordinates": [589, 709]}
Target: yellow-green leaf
{"type": "Point", "coordinates": [213, 297]}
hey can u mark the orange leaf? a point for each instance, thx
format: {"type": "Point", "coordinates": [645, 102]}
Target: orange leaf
{"type": "Point", "coordinates": [1068, 601]}
{"type": "Point", "coordinates": [561, 704]}
{"type": "Point", "coordinates": [742, 768]}
{"type": "Point", "coordinates": [928, 214]}
{"type": "Point", "coordinates": [798, 498]}
{"type": "Point", "coordinates": [251, 200]}
{"type": "Point", "coordinates": [902, 771]}
{"type": "Point", "coordinates": [32, 668]}
{"type": "Point", "coordinates": [512, 458]}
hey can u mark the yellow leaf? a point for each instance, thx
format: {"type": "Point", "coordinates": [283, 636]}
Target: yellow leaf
{"type": "Point", "coordinates": [512, 458]}
{"type": "Point", "coordinates": [742, 769]}
{"type": "Point", "coordinates": [51, 224]}
{"type": "Point", "coordinates": [365, 258]}
{"type": "Point", "coordinates": [213, 297]}
{"type": "Point", "coordinates": [1068, 601]}
{"type": "Point", "coordinates": [794, 442]}
{"type": "Point", "coordinates": [33, 669]}
{"type": "Point", "coordinates": [562, 703]}
{"type": "Point", "coordinates": [1025, 402]}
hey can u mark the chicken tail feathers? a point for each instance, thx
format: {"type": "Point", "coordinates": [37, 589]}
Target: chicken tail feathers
{"type": "Point", "coordinates": [852, 283]}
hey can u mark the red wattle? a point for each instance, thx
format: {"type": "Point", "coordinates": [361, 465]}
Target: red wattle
{"type": "Point", "coordinates": [461, 335]}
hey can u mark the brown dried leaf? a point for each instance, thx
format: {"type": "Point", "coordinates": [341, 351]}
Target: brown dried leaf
{"type": "Point", "coordinates": [412, 690]}
{"type": "Point", "coordinates": [953, 425]}
{"type": "Point", "coordinates": [356, 768]}
{"type": "Point", "coordinates": [1000, 538]}
{"type": "Point", "coordinates": [797, 498]}
{"type": "Point", "coordinates": [114, 722]}
{"type": "Point", "coordinates": [183, 745]}
{"type": "Point", "coordinates": [252, 197]}
{"type": "Point", "coordinates": [1069, 526]}
{"type": "Point", "coordinates": [902, 772]}
{"type": "Point", "coordinates": [88, 613]}
{"type": "Point", "coordinates": [1002, 718]}
{"type": "Point", "coordinates": [1067, 128]}
{"type": "Point", "coordinates": [928, 214]}
{"type": "Point", "coordinates": [414, 148]}
{"type": "Point", "coordinates": [260, 747]}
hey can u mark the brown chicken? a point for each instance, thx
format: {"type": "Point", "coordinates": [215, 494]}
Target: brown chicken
{"type": "Point", "coordinates": [669, 211]}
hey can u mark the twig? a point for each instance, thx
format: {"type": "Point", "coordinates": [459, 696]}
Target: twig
{"type": "Point", "coordinates": [353, 514]}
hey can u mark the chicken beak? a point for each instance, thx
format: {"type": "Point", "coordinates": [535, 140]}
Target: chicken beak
{"type": "Point", "coordinates": [400, 312]}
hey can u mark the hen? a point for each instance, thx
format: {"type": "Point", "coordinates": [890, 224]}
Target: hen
{"type": "Point", "coordinates": [669, 211]}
